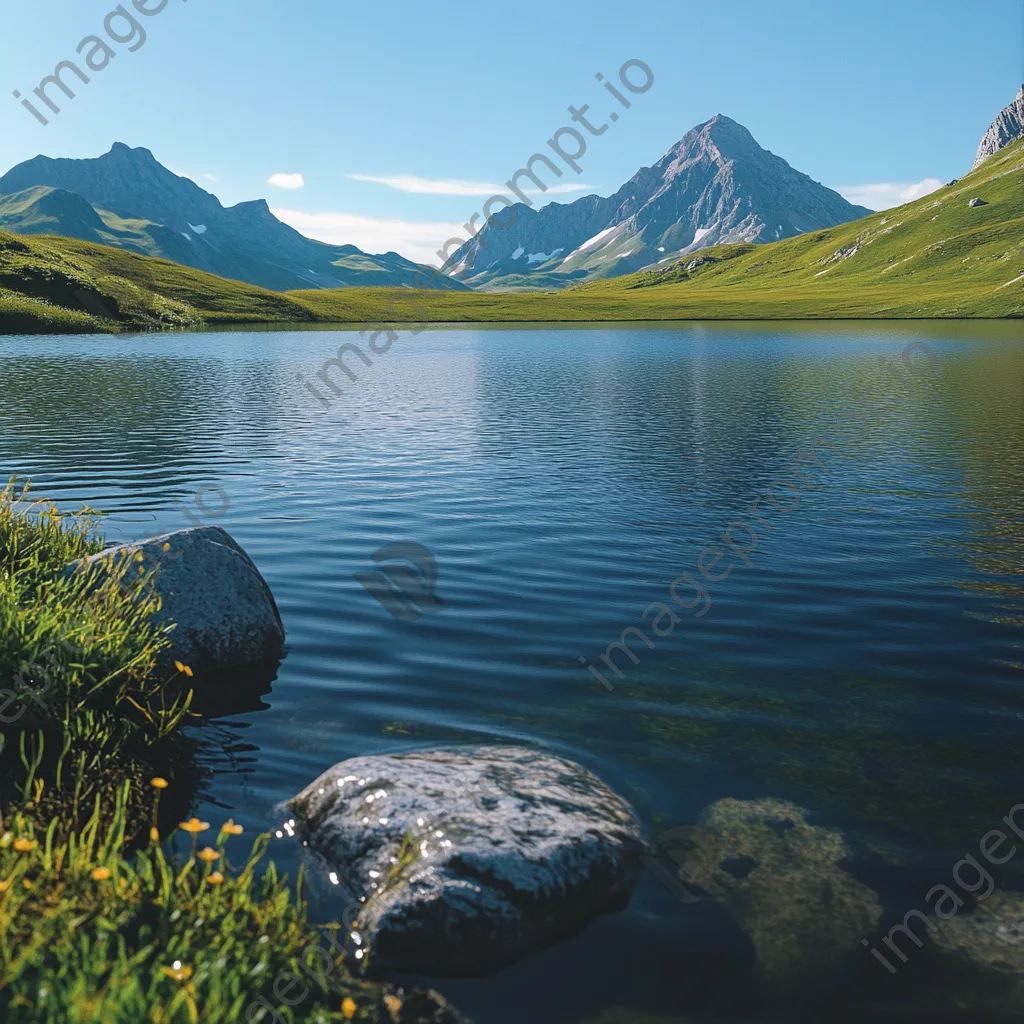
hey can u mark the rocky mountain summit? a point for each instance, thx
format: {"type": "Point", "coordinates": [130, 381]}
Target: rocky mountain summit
{"type": "Point", "coordinates": [138, 204]}
{"type": "Point", "coordinates": [716, 185]}
{"type": "Point", "coordinates": [1006, 128]}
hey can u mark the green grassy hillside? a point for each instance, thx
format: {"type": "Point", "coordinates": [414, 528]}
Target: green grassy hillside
{"type": "Point", "coordinates": [46, 211]}
{"type": "Point", "coordinates": [51, 284]}
{"type": "Point", "coordinates": [937, 257]}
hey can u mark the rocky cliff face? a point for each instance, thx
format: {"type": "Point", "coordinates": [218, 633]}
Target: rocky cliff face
{"type": "Point", "coordinates": [139, 204]}
{"type": "Point", "coordinates": [716, 185]}
{"type": "Point", "coordinates": [1006, 128]}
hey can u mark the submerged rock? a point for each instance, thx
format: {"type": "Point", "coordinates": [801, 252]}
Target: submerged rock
{"type": "Point", "coordinates": [991, 936]}
{"type": "Point", "coordinates": [781, 880]}
{"type": "Point", "coordinates": [987, 945]}
{"type": "Point", "coordinates": [222, 609]}
{"type": "Point", "coordinates": [462, 861]}
{"type": "Point", "coordinates": [424, 1006]}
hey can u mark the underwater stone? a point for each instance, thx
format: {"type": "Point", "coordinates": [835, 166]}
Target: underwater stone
{"type": "Point", "coordinates": [987, 944]}
{"type": "Point", "coordinates": [780, 879]}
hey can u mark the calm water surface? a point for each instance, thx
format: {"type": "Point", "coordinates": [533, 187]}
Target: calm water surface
{"type": "Point", "coordinates": [868, 667]}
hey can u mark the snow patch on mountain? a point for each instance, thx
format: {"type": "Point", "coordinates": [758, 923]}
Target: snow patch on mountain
{"type": "Point", "coordinates": [593, 241]}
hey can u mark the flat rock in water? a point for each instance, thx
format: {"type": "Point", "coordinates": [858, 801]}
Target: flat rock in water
{"type": "Point", "coordinates": [461, 861]}
{"type": "Point", "coordinates": [222, 609]}
{"type": "Point", "coordinates": [781, 880]}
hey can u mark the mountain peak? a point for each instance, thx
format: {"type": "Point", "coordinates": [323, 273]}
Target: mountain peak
{"type": "Point", "coordinates": [721, 121]}
{"type": "Point", "coordinates": [252, 208]}
{"type": "Point", "coordinates": [1006, 128]}
{"type": "Point", "coordinates": [127, 181]}
{"type": "Point", "coordinates": [162, 213]}
{"type": "Point", "coordinates": [716, 185]}
{"type": "Point", "coordinates": [722, 139]}
{"type": "Point", "coordinates": [139, 152]}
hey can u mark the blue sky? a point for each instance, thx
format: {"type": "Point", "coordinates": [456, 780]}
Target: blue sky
{"type": "Point", "coordinates": [398, 115]}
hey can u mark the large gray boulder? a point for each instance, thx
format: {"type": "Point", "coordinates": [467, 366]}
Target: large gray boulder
{"type": "Point", "coordinates": [782, 881]}
{"type": "Point", "coordinates": [462, 861]}
{"type": "Point", "coordinates": [221, 609]}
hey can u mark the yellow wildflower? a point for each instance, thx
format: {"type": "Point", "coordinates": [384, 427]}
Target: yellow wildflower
{"type": "Point", "coordinates": [26, 883]}
{"type": "Point", "coordinates": [208, 854]}
{"type": "Point", "coordinates": [231, 829]}
{"type": "Point", "coordinates": [194, 825]}
{"type": "Point", "coordinates": [154, 834]}
{"type": "Point", "coordinates": [100, 874]}
{"type": "Point", "coordinates": [348, 1008]}
{"type": "Point", "coordinates": [179, 972]}
{"type": "Point", "coordinates": [184, 669]}
{"type": "Point", "coordinates": [159, 783]}
{"type": "Point", "coordinates": [24, 845]}
{"type": "Point", "coordinates": [215, 878]}
{"type": "Point", "coordinates": [4, 886]}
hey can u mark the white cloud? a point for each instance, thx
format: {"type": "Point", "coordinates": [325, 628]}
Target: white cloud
{"type": "Point", "coordinates": [430, 186]}
{"type": "Point", "coordinates": [560, 190]}
{"type": "Point", "coordinates": [415, 240]}
{"type": "Point", "coordinates": [289, 181]}
{"type": "Point", "coordinates": [456, 187]}
{"type": "Point", "coordinates": [192, 176]}
{"type": "Point", "coordinates": [886, 195]}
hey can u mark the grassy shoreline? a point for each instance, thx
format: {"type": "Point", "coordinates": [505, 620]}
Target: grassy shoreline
{"type": "Point", "coordinates": [100, 922]}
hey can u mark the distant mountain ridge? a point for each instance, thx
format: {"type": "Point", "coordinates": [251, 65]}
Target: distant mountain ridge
{"type": "Point", "coordinates": [716, 185]}
{"type": "Point", "coordinates": [138, 204]}
{"type": "Point", "coordinates": [1006, 128]}
{"type": "Point", "coordinates": [940, 256]}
